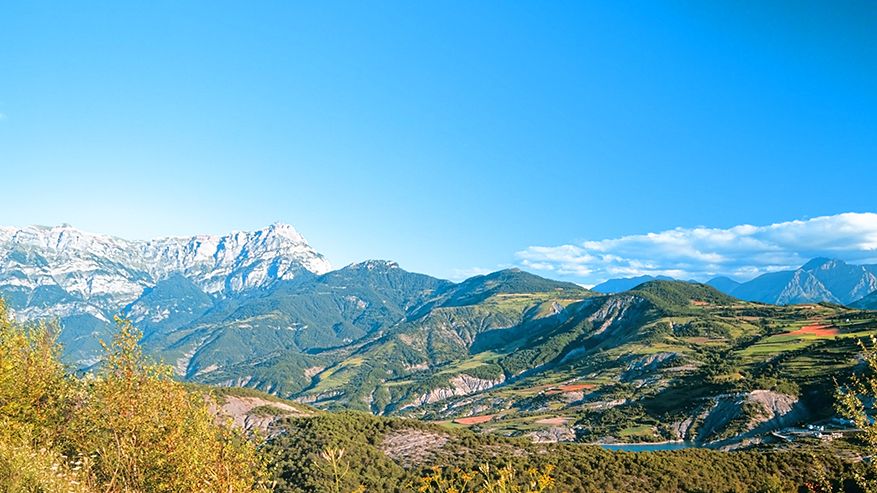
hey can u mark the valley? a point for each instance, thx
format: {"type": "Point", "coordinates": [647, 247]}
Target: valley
{"type": "Point", "coordinates": [508, 354]}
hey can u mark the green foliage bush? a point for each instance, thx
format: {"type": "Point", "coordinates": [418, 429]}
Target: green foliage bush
{"type": "Point", "coordinates": [489, 371]}
{"type": "Point", "coordinates": [299, 465]}
{"type": "Point", "coordinates": [857, 402]}
{"type": "Point", "coordinates": [148, 433]}
{"type": "Point", "coordinates": [34, 389]}
{"type": "Point", "coordinates": [704, 328]}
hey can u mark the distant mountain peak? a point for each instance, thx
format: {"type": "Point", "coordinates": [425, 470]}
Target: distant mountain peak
{"type": "Point", "coordinates": [284, 230]}
{"type": "Point", "coordinates": [374, 264]}
{"type": "Point", "coordinates": [820, 279]}
{"type": "Point", "coordinates": [624, 284]}
{"type": "Point", "coordinates": [819, 262]}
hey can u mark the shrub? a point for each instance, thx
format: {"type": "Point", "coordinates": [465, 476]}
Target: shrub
{"type": "Point", "coordinates": [35, 392]}
{"type": "Point", "coordinates": [856, 401]}
{"type": "Point", "coordinates": [129, 428]}
{"type": "Point", "coordinates": [24, 468]}
{"type": "Point", "coordinates": [147, 433]}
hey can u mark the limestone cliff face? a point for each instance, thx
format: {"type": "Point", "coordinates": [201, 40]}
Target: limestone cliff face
{"type": "Point", "coordinates": [251, 413]}
{"type": "Point", "coordinates": [460, 385]}
{"type": "Point", "coordinates": [108, 273]}
{"type": "Point", "coordinates": [615, 312]}
{"type": "Point", "coordinates": [648, 364]}
{"type": "Point", "coordinates": [820, 279]}
{"type": "Point", "coordinates": [754, 413]}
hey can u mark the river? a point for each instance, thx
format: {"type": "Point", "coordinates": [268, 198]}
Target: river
{"type": "Point", "coordinates": [650, 447]}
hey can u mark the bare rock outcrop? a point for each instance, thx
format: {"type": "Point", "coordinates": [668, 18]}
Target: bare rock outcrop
{"type": "Point", "coordinates": [460, 385]}
{"type": "Point", "coordinates": [749, 413]}
{"type": "Point", "coordinates": [614, 311]}
{"type": "Point", "coordinates": [648, 364]}
{"type": "Point", "coordinates": [254, 413]}
{"type": "Point", "coordinates": [553, 435]}
{"type": "Point", "coordinates": [413, 447]}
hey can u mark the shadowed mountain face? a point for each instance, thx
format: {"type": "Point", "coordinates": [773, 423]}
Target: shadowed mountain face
{"type": "Point", "coordinates": [170, 304]}
{"type": "Point", "coordinates": [723, 284]}
{"type": "Point", "coordinates": [867, 303]}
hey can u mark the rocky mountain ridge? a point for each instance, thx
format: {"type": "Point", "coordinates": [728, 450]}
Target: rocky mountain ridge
{"type": "Point", "coordinates": [91, 266]}
{"type": "Point", "coordinates": [820, 279]}
{"type": "Point", "coordinates": [84, 279]}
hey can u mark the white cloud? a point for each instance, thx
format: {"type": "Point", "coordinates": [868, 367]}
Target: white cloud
{"type": "Point", "coordinates": [461, 274]}
{"type": "Point", "coordinates": [741, 252]}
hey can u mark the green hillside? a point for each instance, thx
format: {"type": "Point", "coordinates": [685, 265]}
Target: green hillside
{"type": "Point", "coordinates": [643, 381]}
{"type": "Point", "coordinates": [666, 360]}
{"type": "Point", "coordinates": [339, 337]}
{"type": "Point", "coordinates": [681, 294]}
{"type": "Point", "coordinates": [435, 345]}
{"type": "Point", "coordinates": [301, 318]}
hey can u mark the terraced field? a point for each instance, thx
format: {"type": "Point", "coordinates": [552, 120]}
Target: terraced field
{"type": "Point", "coordinates": [634, 390]}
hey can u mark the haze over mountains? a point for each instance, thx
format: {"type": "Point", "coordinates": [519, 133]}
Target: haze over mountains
{"type": "Point", "coordinates": [820, 279]}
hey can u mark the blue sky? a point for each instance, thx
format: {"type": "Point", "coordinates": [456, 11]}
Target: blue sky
{"type": "Point", "coordinates": [452, 137]}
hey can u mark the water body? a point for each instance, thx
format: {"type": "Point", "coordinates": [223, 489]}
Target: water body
{"type": "Point", "coordinates": [650, 447]}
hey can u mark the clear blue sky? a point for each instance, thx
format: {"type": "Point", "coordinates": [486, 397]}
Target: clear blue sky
{"type": "Point", "coordinates": [448, 136]}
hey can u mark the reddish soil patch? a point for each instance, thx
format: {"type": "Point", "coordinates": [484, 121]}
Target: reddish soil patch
{"type": "Point", "coordinates": [817, 330]}
{"type": "Point", "coordinates": [700, 303]}
{"type": "Point", "coordinates": [570, 388]}
{"type": "Point", "coordinates": [552, 421]}
{"type": "Point", "coordinates": [579, 386]}
{"type": "Point", "coordinates": [474, 420]}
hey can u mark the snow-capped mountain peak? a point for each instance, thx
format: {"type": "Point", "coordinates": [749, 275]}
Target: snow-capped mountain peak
{"type": "Point", "coordinates": [69, 265]}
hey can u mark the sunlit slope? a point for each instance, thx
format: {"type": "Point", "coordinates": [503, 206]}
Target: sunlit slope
{"type": "Point", "coordinates": [442, 342]}
{"type": "Point", "coordinates": [647, 364]}
{"type": "Point", "coordinates": [526, 355]}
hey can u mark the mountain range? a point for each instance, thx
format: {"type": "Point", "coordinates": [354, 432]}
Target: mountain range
{"type": "Point", "coordinates": [84, 279]}
{"type": "Point", "coordinates": [820, 279]}
{"type": "Point", "coordinates": [519, 353]}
